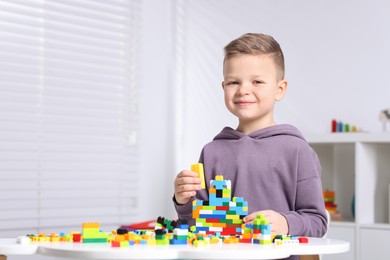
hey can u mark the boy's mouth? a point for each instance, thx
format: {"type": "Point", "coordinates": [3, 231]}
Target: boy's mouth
{"type": "Point", "coordinates": [243, 103]}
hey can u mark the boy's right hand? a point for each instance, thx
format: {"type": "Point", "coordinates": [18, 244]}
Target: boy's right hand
{"type": "Point", "coordinates": [186, 184]}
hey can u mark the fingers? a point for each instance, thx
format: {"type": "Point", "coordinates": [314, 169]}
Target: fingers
{"type": "Point", "coordinates": [186, 173]}
{"type": "Point", "coordinates": [277, 221]}
{"type": "Point", "coordinates": [249, 218]}
{"type": "Point", "coordinates": [267, 214]}
{"type": "Point", "coordinates": [187, 177]}
{"type": "Point", "coordinates": [186, 188]}
{"type": "Point", "coordinates": [186, 184]}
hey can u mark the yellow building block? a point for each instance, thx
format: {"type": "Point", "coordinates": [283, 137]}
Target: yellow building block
{"type": "Point", "coordinates": [226, 193]}
{"type": "Point", "coordinates": [124, 243]}
{"type": "Point", "coordinates": [198, 168]}
{"type": "Point", "coordinates": [91, 225]}
{"type": "Point", "coordinates": [232, 217]}
{"type": "Point", "coordinates": [55, 239]}
{"type": "Point", "coordinates": [219, 178]}
{"type": "Point", "coordinates": [151, 242]}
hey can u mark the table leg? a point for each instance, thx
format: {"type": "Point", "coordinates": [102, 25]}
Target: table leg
{"type": "Point", "coordinates": [306, 257]}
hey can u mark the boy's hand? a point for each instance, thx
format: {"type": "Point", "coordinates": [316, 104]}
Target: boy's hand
{"type": "Point", "coordinates": [278, 222]}
{"type": "Point", "coordinates": [186, 184]}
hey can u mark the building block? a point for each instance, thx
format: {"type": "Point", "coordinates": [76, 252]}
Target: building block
{"type": "Point", "coordinates": [76, 237]}
{"type": "Point", "coordinates": [303, 240]}
{"type": "Point", "coordinates": [198, 168]}
{"type": "Point", "coordinates": [92, 234]}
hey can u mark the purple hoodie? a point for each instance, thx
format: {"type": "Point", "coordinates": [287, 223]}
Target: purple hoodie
{"type": "Point", "coordinates": [272, 168]}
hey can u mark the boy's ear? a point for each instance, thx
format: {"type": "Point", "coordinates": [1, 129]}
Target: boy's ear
{"type": "Point", "coordinates": [223, 84]}
{"type": "Point", "coordinates": [281, 91]}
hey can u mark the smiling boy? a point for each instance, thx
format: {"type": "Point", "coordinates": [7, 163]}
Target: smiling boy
{"type": "Point", "coordinates": [270, 165]}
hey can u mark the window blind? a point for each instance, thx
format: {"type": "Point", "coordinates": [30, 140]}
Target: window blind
{"type": "Point", "coordinates": [68, 114]}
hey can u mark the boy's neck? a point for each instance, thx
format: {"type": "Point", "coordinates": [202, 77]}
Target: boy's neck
{"type": "Point", "coordinates": [247, 128]}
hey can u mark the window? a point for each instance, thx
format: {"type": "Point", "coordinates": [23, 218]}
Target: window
{"type": "Point", "coordinates": [68, 111]}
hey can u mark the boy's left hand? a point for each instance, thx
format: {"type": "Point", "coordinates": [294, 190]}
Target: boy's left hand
{"type": "Point", "coordinates": [277, 221]}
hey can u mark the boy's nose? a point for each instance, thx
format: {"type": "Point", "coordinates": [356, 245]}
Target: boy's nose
{"type": "Point", "coordinates": [244, 89]}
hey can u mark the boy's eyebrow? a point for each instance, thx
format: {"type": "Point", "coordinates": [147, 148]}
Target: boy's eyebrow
{"type": "Point", "coordinates": [252, 76]}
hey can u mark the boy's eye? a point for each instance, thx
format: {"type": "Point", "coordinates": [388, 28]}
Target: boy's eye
{"type": "Point", "coordinates": [232, 83]}
{"type": "Point", "coordinates": [258, 82]}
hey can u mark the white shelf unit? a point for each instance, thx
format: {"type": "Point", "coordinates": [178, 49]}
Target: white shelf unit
{"type": "Point", "coordinates": [357, 165]}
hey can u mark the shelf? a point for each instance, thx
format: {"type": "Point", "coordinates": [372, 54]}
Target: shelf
{"type": "Point", "coordinates": [356, 166]}
{"type": "Point", "coordinates": [376, 226]}
{"type": "Point", "coordinates": [332, 138]}
{"type": "Point", "coordinates": [338, 173]}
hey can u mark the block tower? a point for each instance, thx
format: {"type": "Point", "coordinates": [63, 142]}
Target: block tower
{"type": "Point", "coordinates": [92, 234]}
{"type": "Point", "coordinates": [261, 231]}
{"type": "Point", "coordinates": [220, 215]}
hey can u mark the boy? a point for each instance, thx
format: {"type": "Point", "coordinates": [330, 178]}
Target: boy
{"type": "Point", "coordinates": [271, 166]}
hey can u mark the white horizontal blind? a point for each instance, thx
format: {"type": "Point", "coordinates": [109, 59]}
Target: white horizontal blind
{"type": "Point", "coordinates": [68, 114]}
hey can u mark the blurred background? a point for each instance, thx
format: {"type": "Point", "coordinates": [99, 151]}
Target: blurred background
{"type": "Point", "coordinates": [102, 103]}
{"type": "Point", "coordinates": [336, 63]}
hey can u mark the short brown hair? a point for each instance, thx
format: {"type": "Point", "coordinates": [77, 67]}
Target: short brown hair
{"type": "Point", "coordinates": [255, 44]}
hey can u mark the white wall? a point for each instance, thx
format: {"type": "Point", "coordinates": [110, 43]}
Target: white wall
{"type": "Point", "coordinates": [336, 52]}
{"type": "Point", "coordinates": [156, 161]}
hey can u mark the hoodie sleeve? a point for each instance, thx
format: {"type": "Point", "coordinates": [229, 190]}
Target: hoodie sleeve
{"type": "Point", "coordinates": [184, 211]}
{"type": "Point", "coordinates": [309, 217]}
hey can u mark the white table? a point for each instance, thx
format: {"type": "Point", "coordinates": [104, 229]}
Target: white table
{"type": "Point", "coordinates": [223, 251]}
{"type": "Point", "coordinates": [8, 246]}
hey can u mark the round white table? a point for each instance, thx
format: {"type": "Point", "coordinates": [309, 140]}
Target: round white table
{"type": "Point", "coordinates": [224, 251]}
{"type": "Point", "coordinates": [214, 251]}
{"type": "Point", "coordinates": [8, 246]}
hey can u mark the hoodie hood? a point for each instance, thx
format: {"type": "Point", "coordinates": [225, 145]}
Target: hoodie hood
{"type": "Point", "coordinates": [229, 133]}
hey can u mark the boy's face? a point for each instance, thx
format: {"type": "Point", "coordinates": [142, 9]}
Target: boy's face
{"type": "Point", "coordinates": [251, 87]}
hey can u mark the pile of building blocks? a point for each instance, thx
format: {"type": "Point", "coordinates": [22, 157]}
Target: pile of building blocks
{"type": "Point", "coordinates": [220, 215]}
{"type": "Point", "coordinates": [261, 231]}
{"type": "Point", "coordinates": [53, 237]}
{"type": "Point", "coordinates": [123, 238]}
{"type": "Point", "coordinates": [180, 234]}
{"type": "Point", "coordinates": [218, 221]}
